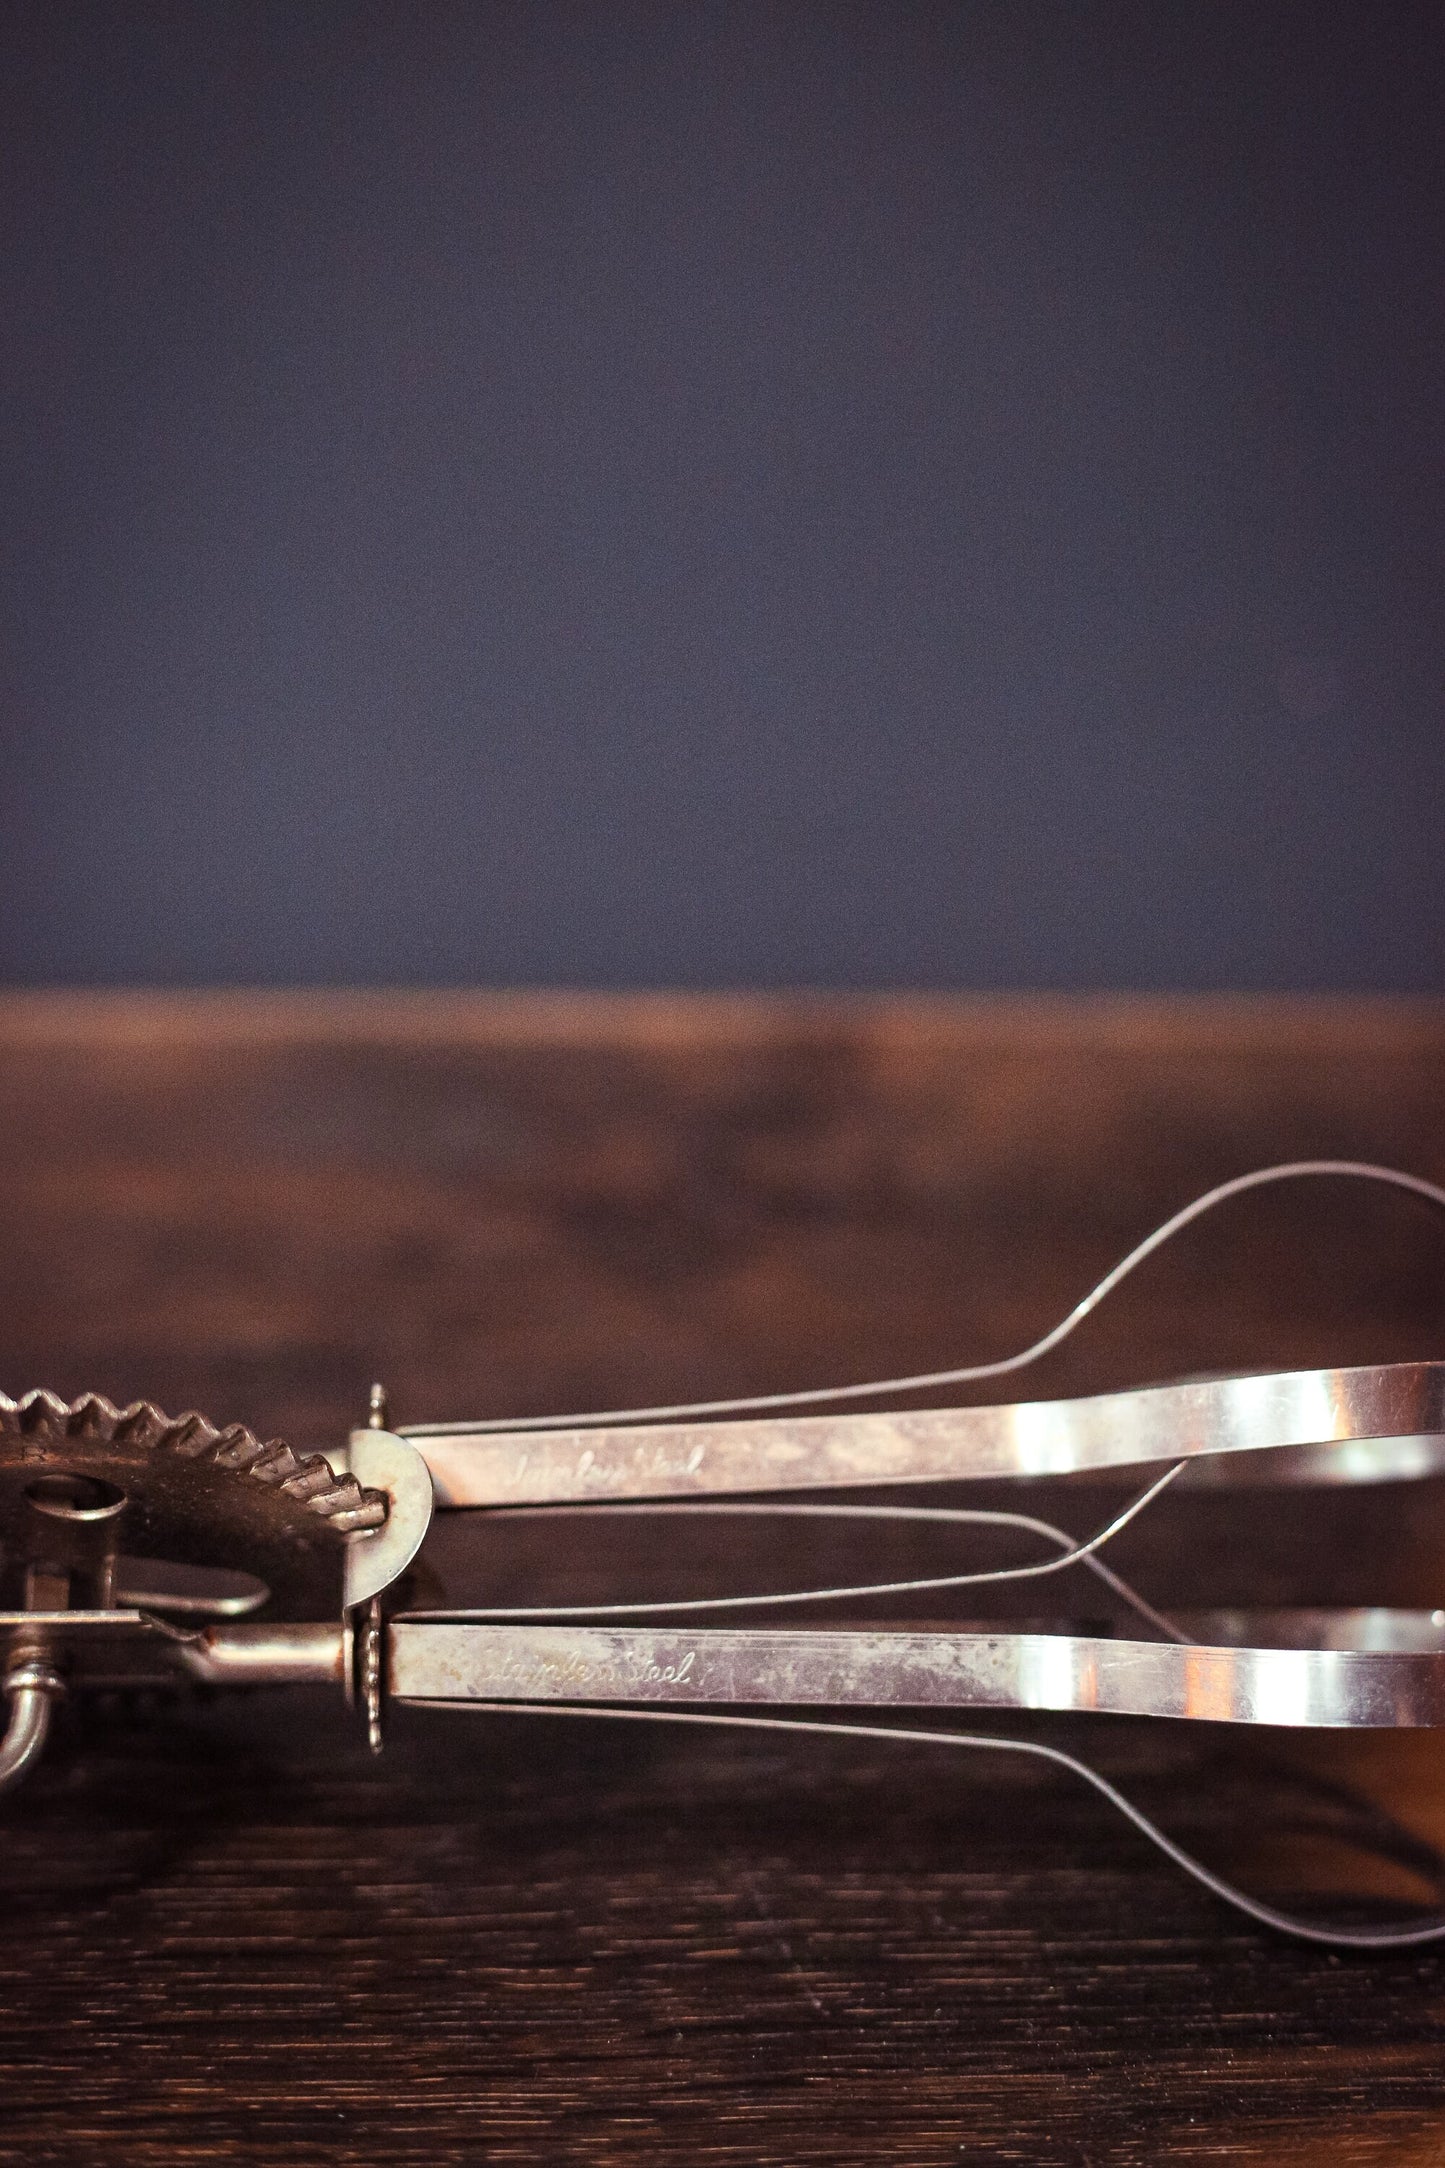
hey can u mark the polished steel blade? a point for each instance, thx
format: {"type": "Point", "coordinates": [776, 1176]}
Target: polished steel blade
{"type": "Point", "coordinates": [1347, 1411]}
{"type": "Point", "coordinates": [436, 1661]}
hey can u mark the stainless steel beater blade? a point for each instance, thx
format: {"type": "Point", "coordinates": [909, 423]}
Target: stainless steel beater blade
{"type": "Point", "coordinates": [1303, 1409]}
{"type": "Point", "coordinates": [432, 1661]}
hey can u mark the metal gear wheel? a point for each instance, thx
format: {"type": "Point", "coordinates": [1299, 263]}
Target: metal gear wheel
{"type": "Point", "coordinates": [84, 1481]}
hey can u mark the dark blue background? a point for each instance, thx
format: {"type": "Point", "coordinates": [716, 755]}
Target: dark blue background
{"type": "Point", "coordinates": [848, 495]}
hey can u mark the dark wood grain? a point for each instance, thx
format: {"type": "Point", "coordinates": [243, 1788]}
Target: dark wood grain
{"type": "Point", "coordinates": [229, 1936]}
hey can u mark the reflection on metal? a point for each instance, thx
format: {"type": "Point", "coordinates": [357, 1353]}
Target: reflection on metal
{"type": "Point", "coordinates": [386, 1465]}
{"type": "Point", "coordinates": [1315, 1467]}
{"type": "Point", "coordinates": [267, 1655]}
{"type": "Point", "coordinates": [201, 1592]}
{"type": "Point", "coordinates": [30, 1689]}
{"type": "Point", "coordinates": [1290, 1686]}
{"type": "Point", "coordinates": [1213, 1416]}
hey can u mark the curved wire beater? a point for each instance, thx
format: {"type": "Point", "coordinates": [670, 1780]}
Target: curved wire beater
{"type": "Point", "coordinates": [1267, 1915]}
{"type": "Point", "coordinates": [972, 1373]}
{"type": "Point", "coordinates": [1072, 1553]}
{"type": "Point", "coordinates": [1287, 1923]}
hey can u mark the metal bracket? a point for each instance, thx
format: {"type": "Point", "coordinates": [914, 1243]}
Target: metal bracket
{"type": "Point", "coordinates": [382, 1461]}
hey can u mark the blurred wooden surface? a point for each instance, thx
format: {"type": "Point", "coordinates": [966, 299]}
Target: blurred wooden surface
{"type": "Point", "coordinates": [228, 1936]}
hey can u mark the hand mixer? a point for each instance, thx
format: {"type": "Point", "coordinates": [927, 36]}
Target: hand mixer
{"type": "Point", "coordinates": [140, 1550]}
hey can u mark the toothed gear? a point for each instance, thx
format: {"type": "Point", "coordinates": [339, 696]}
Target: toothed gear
{"type": "Point", "coordinates": [92, 1419]}
{"type": "Point", "coordinates": [190, 1492]}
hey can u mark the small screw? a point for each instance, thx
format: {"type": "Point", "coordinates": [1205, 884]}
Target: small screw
{"type": "Point", "coordinates": [379, 1409]}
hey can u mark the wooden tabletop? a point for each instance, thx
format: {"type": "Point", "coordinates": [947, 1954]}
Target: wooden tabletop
{"type": "Point", "coordinates": [230, 1936]}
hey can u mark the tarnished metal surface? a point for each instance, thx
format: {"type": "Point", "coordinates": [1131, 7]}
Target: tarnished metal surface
{"type": "Point", "coordinates": [1027, 1438]}
{"type": "Point", "coordinates": [864, 1669]}
{"type": "Point", "coordinates": [84, 1484]}
{"type": "Point", "coordinates": [39, 1428]}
